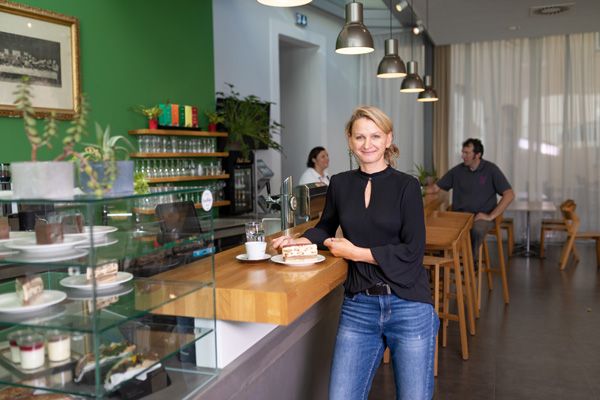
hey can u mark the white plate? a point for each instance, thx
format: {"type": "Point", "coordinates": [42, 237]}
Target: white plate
{"type": "Point", "coordinates": [81, 282]}
{"type": "Point", "coordinates": [10, 303]}
{"type": "Point", "coordinates": [28, 258]}
{"type": "Point", "coordinates": [244, 258]}
{"type": "Point", "coordinates": [99, 230]}
{"type": "Point", "coordinates": [98, 243]}
{"type": "Point", "coordinates": [17, 235]}
{"type": "Point", "coordinates": [30, 247]}
{"type": "Point", "coordinates": [298, 263]}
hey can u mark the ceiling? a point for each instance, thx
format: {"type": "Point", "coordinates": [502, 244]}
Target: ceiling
{"type": "Point", "coordinates": [461, 21]}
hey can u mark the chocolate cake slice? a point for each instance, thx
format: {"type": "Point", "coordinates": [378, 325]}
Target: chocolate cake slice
{"type": "Point", "coordinates": [48, 233]}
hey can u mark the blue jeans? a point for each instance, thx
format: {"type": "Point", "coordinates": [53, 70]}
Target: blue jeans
{"type": "Point", "coordinates": [367, 325]}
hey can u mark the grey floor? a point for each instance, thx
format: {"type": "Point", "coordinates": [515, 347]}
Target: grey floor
{"type": "Point", "coordinates": [544, 345]}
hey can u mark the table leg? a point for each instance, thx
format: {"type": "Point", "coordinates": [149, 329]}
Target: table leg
{"type": "Point", "coordinates": [527, 234]}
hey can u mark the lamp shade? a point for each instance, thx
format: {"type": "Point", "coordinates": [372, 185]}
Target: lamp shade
{"type": "Point", "coordinates": [284, 3]}
{"type": "Point", "coordinates": [354, 37]}
{"type": "Point", "coordinates": [412, 83]}
{"type": "Point", "coordinates": [429, 94]}
{"type": "Point", "coordinates": [391, 65]}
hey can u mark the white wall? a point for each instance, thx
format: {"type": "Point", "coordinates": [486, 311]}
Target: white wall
{"type": "Point", "coordinates": [246, 51]}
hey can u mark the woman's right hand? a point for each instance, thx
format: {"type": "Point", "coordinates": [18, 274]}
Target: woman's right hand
{"type": "Point", "coordinates": [286, 240]}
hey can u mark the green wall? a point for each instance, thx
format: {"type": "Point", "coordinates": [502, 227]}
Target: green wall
{"type": "Point", "coordinates": [132, 52]}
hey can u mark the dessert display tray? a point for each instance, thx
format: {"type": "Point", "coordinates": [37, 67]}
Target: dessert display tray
{"type": "Point", "coordinates": [49, 367]}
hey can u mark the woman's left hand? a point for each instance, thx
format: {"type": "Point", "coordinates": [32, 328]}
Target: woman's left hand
{"type": "Point", "coordinates": [341, 247]}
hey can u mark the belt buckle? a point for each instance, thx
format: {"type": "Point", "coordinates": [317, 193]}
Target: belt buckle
{"type": "Point", "coordinates": [379, 291]}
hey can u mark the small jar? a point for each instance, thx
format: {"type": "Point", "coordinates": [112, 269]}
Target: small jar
{"type": "Point", "coordinates": [59, 345]}
{"type": "Point", "coordinates": [15, 353]}
{"type": "Point", "coordinates": [31, 349]}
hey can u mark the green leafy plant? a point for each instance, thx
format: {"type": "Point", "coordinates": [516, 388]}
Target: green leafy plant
{"type": "Point", "coordinates": [425, 177]}
{"type": "Point", "coordinates": [247, 121]}
{"type": "Point", "coordinates": [71, 140]}
{"type": "Point", "coordinates": [105, 150]}
{"type": "Point", "coordinates": [152, 112]}
{"type": "Point", "coordinates": [214, 117]}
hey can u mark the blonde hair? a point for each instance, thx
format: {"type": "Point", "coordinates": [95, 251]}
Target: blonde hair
{"type": "Point", "coordinates": [382, 121]}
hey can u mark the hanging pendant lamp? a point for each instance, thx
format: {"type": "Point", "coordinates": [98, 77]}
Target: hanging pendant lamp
{"type": "Point", "coordinates": [412, 83]}
{"type": "Point", "coordinates": [354, 37]}
{"type": "Point", "coordinates": [284, 3]}
{"type": "Point", "coordinates": [429, 94]}
{"type": "Point", "coordinates": [391, 65]}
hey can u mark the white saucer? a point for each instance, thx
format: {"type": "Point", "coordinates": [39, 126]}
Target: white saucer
{"type": "Point", "coordinates": [30, 247]}
{"type": "Point", "coordinates": [298, 263]}
{"type": "Point", "coordinates": [81, 282]}
{"type": "Point", "coordinates": [10, 303]}
{"type": "Point", "coordinates": [244, 258]}
{"type": "Point", "coordinates": [30, 258]}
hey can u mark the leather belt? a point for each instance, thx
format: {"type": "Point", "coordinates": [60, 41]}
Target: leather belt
{"type": "Point", "coordinates": [380, 289]}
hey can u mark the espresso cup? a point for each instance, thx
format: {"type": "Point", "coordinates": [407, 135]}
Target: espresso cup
{"type": "Point", "coordinates": [255, 250]}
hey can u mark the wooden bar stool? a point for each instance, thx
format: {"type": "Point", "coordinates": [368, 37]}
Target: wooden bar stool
{"type": "Point", "coordinates": [508, 225]}
{"type": "Point", "coordinates": [433, 264]}
{"type": "Point", "coordinates": [488, 265]}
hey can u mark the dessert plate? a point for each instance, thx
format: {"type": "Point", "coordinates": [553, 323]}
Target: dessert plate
{"type": "Point", "coordinates": [30, 247]}
{"type": "Point", "coordinates": [298, 263]}
{"type": "Point", "coordinates": [17, 235]}
{"type": "Point", "coordinates": [43, 258]}
{"type": "Point", "coordinates": [81, 282]}
{"type": "Point", "coordinates": [244, 258]}
{"type": "Point", "coordinates": [102, 242]}
{"type": "Point", "coordinates": [10, 303]}
{"type": "Point", "coordinates": [99, 231]}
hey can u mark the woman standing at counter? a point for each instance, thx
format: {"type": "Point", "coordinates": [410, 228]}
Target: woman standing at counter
{"type": "Point", "coordinates": [387, 297]}
{"type": "Point", "coordinates": [317, 163]}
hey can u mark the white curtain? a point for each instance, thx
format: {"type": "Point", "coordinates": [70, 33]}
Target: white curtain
{"type": "Point", "coordinates": [403, 108]}
{"type": "Point", "coordinates": [535, 104]}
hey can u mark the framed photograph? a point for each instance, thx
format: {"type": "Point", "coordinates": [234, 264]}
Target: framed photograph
{"type": "Point", "coordinates": [43, 45]}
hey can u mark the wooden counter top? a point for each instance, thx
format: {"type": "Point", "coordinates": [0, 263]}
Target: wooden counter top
{"type": "Point", "coordinates": [256, 292]}
{"type": "Point", "coordinates": [263, 291]}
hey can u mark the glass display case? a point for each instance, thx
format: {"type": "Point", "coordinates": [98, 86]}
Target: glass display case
{"type": "Point", "coordinates": [83, 308]}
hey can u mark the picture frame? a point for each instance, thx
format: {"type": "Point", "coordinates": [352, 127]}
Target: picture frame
{"type": "Point", "coordinates": [43, 45]}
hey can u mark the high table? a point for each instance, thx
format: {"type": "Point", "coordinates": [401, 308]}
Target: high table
{"type": "Point", "coordinates": [527, 207]}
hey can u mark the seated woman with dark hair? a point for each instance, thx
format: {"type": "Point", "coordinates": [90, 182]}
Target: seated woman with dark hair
{"type": "Point", "coordinates": [317, 163]}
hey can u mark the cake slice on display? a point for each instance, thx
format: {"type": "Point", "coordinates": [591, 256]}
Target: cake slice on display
{"type": "Point", "coordinates": [48, 232]}
{"type": "Point", "coordinates": [29, 288]}
{"type": "Point", "coordinates": [4, 228]}
{"type": "Point", "coordinates": [104, 273]}
{"type": "Point", "coordinates": [72, 224]}
{"type": "Point", "coordinates": [296, 252]}
{"type": "Point", "coordinates": [129, 367]}
{"type": "Point", "coordinates": [108, 354]}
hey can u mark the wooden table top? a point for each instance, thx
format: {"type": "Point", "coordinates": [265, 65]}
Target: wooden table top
{"type": "Point", "coordinates": [264, 291]}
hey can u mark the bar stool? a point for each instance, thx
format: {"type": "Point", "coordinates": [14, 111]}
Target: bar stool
{"type": "Point", "coordinates": [433, 265]}
{"type": "Point", "coordinates": [483, 248]}
{"type": "Point", "coordinates": [508, 225]}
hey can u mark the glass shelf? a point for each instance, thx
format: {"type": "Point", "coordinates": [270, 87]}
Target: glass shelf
{"type": "Point", "coordinates": [162, 341]}
{"type": "Point", "coordinates": [178, 155]}
{"type": "Point", "coordinates": [188, 178]}
{"type": "Point", "coordinates": [177, 132]}
{"type": "Point", "coordinates": [141, 248]}
{"type": "Point", "coordinates": [120, 304]}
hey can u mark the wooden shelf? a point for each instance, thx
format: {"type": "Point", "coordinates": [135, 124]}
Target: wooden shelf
{"type": "Point", "coordinates": [178, 155]}
{"type": "Point", "coordinates": [150, 211]}
{"type": "Point", "coordinates": [187, 178]}
{"type": "Point", "coordinates": [176, 132]}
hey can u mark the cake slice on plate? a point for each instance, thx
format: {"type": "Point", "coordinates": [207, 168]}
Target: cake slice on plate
{"type": "Point", "coordinates": [297, 252]}
{"type": "Point", "coordinates": [29, 288]}
{"type": "Point", "coordinates": [104, 273]}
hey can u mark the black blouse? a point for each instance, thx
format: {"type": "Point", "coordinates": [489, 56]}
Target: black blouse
{"type": "Point", "coordinates": [392, 227]}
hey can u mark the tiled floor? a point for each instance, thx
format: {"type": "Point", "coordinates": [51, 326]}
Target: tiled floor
{"type": "Point", "coordinates": [544, 345]}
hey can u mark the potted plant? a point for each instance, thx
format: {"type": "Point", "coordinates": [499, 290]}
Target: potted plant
{"type": "Point", "coordinates": [248, 122]}
{"type": "Point", "coordinates": [152, 113]}
{"type": "Point", "coordinates": [115, 177]}
{"type": "Point", "coordinates": [51, 179]}
{"type": "Point", "coordinates": [425, 177]}
{"type": "Point", "coordinates": [214, 118]}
